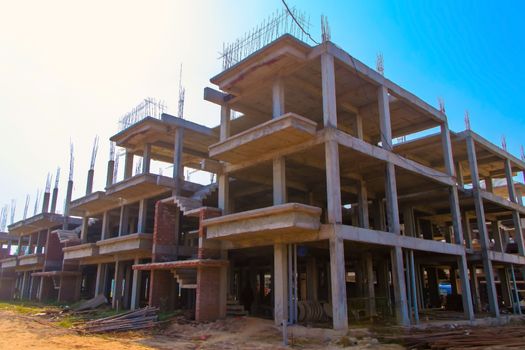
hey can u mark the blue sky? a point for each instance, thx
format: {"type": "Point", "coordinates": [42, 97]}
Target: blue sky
{"type": "Point", "coordinates": [70, 70]}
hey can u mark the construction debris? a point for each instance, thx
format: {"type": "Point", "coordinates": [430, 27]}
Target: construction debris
{"type": "Point", "coordinates": [92, 303]}
{"type": "Point", "coordinates": [511, 337]}
{"type": "Point", "coordinates": [132, 320]}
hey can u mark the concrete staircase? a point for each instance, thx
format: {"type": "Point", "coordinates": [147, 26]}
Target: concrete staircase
{"type": "Point", "coordinates": [187, 278]}
{"type": "Point", "coordinates": [233, 308]}
{"type": "Point", "coordinates": [187, 204]}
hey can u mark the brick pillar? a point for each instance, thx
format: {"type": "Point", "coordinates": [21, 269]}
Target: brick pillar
{"type": "Point", "coordinates": [162, 291]}
{"type": "Point", "coordinates": [207, 307]}
{"type": "Point", "coordinates": [164, 235]}
{"type": "Point", "coordinates": [69, 289]}
{"type": "Point", "coordinates": [208, 249]}
{"type": "Point", "coordinates": [47, 289]}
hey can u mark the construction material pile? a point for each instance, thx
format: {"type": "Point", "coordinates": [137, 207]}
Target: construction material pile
{"type": "Point", "coordinates": [132, 320]}
{"type": "Point", "coordinates": [505, 337]}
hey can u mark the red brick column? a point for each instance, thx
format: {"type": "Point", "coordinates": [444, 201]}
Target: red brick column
{"type": "Point", "coordinates": [164, 235]}
{"type": "Point", "coordinates": [162, 290]}
{"type": "Point", "coordinates": [207, 251]}
{"type": "Point", "coordinates": [69, 289]}
{"type": "Point", "coordinates": [207, 306]}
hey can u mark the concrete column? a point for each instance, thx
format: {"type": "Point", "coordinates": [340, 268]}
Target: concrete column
{"type": "Point", "coordinates": [117, 286]}
{"type": "Point", "coordinates": [504, 280]}
{"type": "Point", "coordinates": [456, 222]}
{"type": "Point", "coordinates": [359, 127]}
{"type": "Point", "coordinates": [279, 181]}
{"type": "Point", "coordinates": [142, 219]}
{"type": "Point", "coordinates": [135, 287]}
{"type": "Point", "coordinates": [105, 226]}
{"type": "Point", "coordinates": [128, 165]}
{"type": "Point", "coordinates": [124, 220]}
{"type": "Point", "coordinates": [45, 202]}
{"type": "Point", "coordinates": [333, 183]}
{"type": "Point", "coordinates": [110, 173]}
{"type": "Point", "coordinates": [399, 282]}
{"type": "Point", "coordinates": [146, 158]}
{"type": "Point", "coordinates": [475, 288]}
{"type": "Point", "coordinates": [338, 283]}
{"type": "Point", "coordinates": [482, 228]}
{"type": "Point", "coordinates": [277, 98]}
{"type": "Point", "coordinates": [460, 177]}
{"type": "Point", "coordinates": [362, 198]}
{"type": "Point", "coordinates": [178, 167]}
{"type": "Point", "coordinates": [494, 226]}
{"type": "Point", "coordinates": [225, 122]}
{"type": "Point", "coordinates": [69, 193]}
{"type": "Point", "coordinates": [515, 214]}
{"type": "Point", "coordinates": [224, 193]}
{"type": "Point", "coordinates": [100, 279]}
{"type": "Point", "coordinates": [280, 275]}
{"type": "Point", "coordinates": [89, 182]}
{"type": "Point", "coordinates": [84, 229]}
{"type": "Point", "coordinates": [467, 229]}
{"type": "Point", "coordinates": [370, 284]}
{"type": "Point", "coordinates": [328, 86]}
{"type": "Point", "coordinates": [54, 199]}
{"type": "Point", "coordinates": [312, 279]}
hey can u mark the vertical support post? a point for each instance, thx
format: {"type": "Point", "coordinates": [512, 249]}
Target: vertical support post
{"type": "Point", "coordinates": [333, 183]}
{"type": "Point", "coordinates": [482, 228]}
{"type": "Point", "coordinates": [359, 127]}
{"type": "Point", "coordinates": [279, 181]}
{"type": "Point", "coordinates": [143, 213]}
{"type": "Point", "coordinates": [45, 202]}
{"type": "Point", "coordinates": [69, 193]}
{"type": "Point", "coordinates": [467, 229]}
{"type": "Point", "coordinates": [505, 288]}
{"type": "Point", "coordinates": [124, 220]}
{"type": "Point", "coordinates": [135, 287]}
{"type": "Point", "coordinates": [280, 283]}
{"type": "Point", "coordinates": [338, 283]}
{"type": "Point", "coordinates": [362, 198]}
{"type": "Point", "coordinates": [105, 226]}
{"type": "Point", "coordinates": [225, 122]}
{"type": "Point", "coordinates": [468, 308]}
{"type": "Point", "coordinates": [515, 214]}
{"type": "Point", "coordinates": [516, 303]}
{"type": "Point", "coordinates": [475, 288]}
{"type": "Point", "coordinates": [89, 182]}
{"type": "Point", "coordinates": [99, 282]}
{"type": "Point", "coordinates": [178, 167]}
{"type": "Point", "coordinates": [370, 284]}
{"type": "Point", "coordinates": [224, 193]}
{"type": "Point", "coordinates": [128, 164]}
{"type": "Point", "coordinates": [277, 98]}
{"type": "Point", "coordinates": [146, 158]}
{"type": "Point", "coordinates": [117, 286]}
{"type": "Point", "coordinates": [110, 172]}
{"type": "Point", "coordinates": [328, 85]}
{"type": "Point", "coordinates": [400, 292]}
{"type": "Point", "coordinates": [84, 230]}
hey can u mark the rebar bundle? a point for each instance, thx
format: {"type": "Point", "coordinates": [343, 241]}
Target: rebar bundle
{"type": "Point", "coordinates": [150, 107]}
{"type": "Point", "coordinates": [285, 21]}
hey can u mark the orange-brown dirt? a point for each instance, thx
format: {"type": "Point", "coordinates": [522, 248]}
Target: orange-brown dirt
{"type": "Point", "coordinates": [32, 332]}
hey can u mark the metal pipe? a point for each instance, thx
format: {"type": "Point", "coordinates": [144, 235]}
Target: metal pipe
{"type": "Point", "coordinates": [296, 275]}
{"type": "Point", "coordinates": [516, 294]}
{"type": "Point", "coordinates": [414, 290]}
{"type": "Point", "coordinates": [407, 283]}
{"type": "Point", "coordinates": [290, 292]}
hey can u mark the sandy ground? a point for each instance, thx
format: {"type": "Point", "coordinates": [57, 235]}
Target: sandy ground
{"type": "Point", "coordinates": [31, 332]}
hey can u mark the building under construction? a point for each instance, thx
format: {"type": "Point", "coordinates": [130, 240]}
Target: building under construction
{"type": "Point", "coordinates": [324, 210]}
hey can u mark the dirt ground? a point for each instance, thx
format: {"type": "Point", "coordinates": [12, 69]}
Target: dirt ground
{"type": "Point", "coordinates": [31, 332]}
